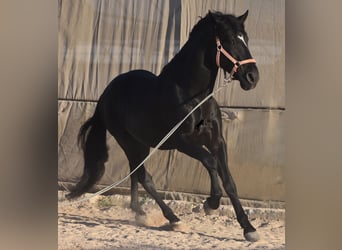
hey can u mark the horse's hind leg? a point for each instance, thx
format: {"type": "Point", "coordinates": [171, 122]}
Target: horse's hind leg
{"type": "Point", "coordinates": [136, 153]}
{"type": "Point", "coordinates": [136, 156]}
{"type": "Point", "coordinates": [146, 181]}
{"type": "Point", "coordinates": [135, 206]}
{"type": "Point", "coordinates": [127, 143]}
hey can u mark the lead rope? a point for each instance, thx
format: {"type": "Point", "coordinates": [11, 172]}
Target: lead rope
{"type": "Point", "coordinates": [226, 81]}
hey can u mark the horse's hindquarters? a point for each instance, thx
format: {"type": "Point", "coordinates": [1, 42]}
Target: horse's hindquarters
{"type": "Point", "coordinates": [131, 104]}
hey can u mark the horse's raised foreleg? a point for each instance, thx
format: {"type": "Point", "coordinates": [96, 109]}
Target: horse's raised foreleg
{"type": "Point", "coordinates": [210, 163]}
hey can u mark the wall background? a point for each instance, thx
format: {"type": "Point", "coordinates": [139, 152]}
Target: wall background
{"type": "Point", "coordinates": [99, 39]}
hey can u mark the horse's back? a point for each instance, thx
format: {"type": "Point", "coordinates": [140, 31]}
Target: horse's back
{"type": "Point", "coordinates": [132, 81]}
{"type": "Point", "coordinates": [131, 103]}
{"type": "Point", "coordinates": [130, 87]}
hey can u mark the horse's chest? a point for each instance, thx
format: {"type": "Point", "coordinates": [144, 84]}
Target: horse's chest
{"type": "Point", "coordinates": [204, 126]}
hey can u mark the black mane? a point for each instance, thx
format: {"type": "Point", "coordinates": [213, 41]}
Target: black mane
{"type": "Point", "coordinates": [213, 24]}
{"type": "Point", "coordinates": [203, 30]}
{"type": "Point", "coordinates": [199, 26]}
{"type": "Point", "coordinates": [220, 23]}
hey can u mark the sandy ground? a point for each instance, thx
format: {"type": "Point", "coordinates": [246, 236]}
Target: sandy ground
{"type": "Point", "coordinates": [106, 222]}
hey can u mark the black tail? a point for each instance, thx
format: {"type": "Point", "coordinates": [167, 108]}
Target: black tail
{"type": "Point", "coordinates": [92, 139]}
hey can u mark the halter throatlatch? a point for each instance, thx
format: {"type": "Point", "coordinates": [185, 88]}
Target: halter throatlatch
{"type": "Point", "coordinates": [236, 63]}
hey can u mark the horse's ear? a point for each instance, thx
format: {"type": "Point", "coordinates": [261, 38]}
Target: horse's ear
{"type": "Point", "coordinates": [243, 17]}
{"type": "Point", "coordinates": [213, 19]}
{"type": "Point", "coordinates": [211, 16]}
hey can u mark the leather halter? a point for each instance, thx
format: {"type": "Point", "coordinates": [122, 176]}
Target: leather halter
{"type": "Point", "coordinates": [236, 63]}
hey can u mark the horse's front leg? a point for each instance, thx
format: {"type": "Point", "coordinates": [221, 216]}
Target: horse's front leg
{"type": "Point", "coordinates": [210, 163]}
{"type": "Point", "coordinates": [218, 148]}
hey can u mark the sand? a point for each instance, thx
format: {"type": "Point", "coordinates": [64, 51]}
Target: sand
{"type": "Point", "coordinates": [107, 222]}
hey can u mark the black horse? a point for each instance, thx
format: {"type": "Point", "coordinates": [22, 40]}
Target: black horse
{"type": "Point", "coordinates": [139, 108]}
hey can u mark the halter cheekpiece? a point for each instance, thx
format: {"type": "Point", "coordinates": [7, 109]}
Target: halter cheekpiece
{"type": "Point", "coordinates": [236, 63]}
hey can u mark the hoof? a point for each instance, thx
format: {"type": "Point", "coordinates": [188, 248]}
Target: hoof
{"type": "Point", "coordinates": [180, 227]}
{"type": "Point", "coordinates": [153, 219]}
{"type": "Point", "coordinates": [207, 209]}
{"type": "Point", "coordinates": [252, 236]}
{"type": "Point", "coordinates": [142, 220]}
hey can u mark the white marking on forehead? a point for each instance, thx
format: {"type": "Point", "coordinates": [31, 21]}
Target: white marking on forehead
{"type": "Point", "coordinates": [242, 39]}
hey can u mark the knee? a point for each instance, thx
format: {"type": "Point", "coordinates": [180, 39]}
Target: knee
{"type": "Point", "coordinates": [210, 163]}
{"type": "Point", "coordinates": [231, 190]}
{"type": "Point", "coordinates": [218, 144]}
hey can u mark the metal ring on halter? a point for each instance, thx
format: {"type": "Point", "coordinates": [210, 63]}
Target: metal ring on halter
{"type": "Point", "coordinates": [228, 79]}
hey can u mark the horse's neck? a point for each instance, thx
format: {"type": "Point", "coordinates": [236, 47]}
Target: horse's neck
{"type": "Point", "coordinates": [193, 69]}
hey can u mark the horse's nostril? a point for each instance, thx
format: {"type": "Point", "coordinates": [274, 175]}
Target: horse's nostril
{"type": "Point", "coordinates": [250, 77]}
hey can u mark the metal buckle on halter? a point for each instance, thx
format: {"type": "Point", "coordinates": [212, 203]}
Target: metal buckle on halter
{"type": "Point", "coordinates": [228, 79]}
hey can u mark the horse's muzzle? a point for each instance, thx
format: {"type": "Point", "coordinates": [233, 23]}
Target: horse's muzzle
{"type": "Point", "coordinates": [252, 77]}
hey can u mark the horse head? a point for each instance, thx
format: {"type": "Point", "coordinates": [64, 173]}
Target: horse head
{"type": "Point", "coordinates": [233, 54]}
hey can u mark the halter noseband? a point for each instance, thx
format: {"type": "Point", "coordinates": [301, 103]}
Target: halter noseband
{"type": "Point", "coordinates": [236, 63]}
